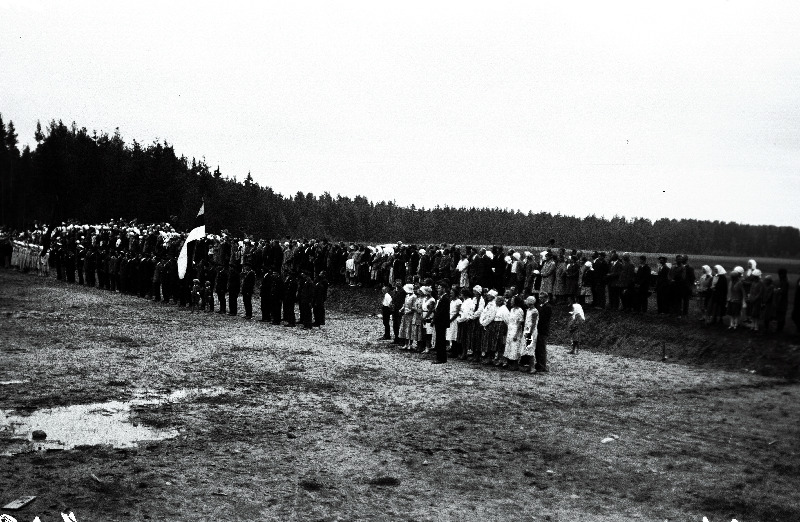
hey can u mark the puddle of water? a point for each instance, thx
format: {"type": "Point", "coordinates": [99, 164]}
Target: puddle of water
{"type": "Point", "coordinates": [106, 423]}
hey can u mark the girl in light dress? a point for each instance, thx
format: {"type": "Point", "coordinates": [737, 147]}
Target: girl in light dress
{"type": "Point", "coordinates": [529, 333]}
{"type": "Point", "coordinates": [426, 309]}
{"type": "Point", "coordinates": [455, 312]}
{"type": "Point", "coordinates": [464, 322]}
{"type": "Point", "coordinates": [408, 332]}
{"type": "Point", "coordinates": [515, 341]}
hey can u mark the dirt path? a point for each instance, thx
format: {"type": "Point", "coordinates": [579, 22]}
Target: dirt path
{"type": "Point", "coordinates": [328, 425]}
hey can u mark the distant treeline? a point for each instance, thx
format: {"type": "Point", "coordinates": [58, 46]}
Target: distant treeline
{"type": "Point", "coordinates": [91, 177]}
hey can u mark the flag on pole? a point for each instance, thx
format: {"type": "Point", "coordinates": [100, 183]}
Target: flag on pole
{"type": "Point", "coordinates": [198, 232]}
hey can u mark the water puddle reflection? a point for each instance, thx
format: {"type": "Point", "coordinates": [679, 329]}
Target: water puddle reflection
{"type": "Point", "coordinates": [106, 423]}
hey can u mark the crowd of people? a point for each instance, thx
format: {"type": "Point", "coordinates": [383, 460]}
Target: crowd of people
{"type": "Point", "coordinates": [138, 260]}
{"type": "Point", "coordinates": [491, 305]}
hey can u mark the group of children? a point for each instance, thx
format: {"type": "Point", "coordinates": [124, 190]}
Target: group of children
{"type": "Point", "coordinates": [508, 331]}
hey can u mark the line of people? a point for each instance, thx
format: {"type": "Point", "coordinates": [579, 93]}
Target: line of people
{"type": "Point", "coordinates": [477, 324]}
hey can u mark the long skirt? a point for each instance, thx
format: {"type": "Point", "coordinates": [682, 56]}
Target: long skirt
{"type": "Point", "coordinates": [465, 334]}
{"type": "Point", "coordinates": [407, 330]}
{"type": "Point", "coordinates": [474, 336]}
{"type": "Point", "coordinates": [494, 338]}
{"type": "Point", "coordinates": [452, 331]}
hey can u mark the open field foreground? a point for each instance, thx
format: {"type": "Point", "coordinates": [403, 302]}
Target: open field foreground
{"type": "Point", "coordinates": [286, 424]}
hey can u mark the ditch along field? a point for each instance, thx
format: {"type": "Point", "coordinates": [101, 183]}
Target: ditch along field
{"type": "Point", "coordinates": [332, 424]}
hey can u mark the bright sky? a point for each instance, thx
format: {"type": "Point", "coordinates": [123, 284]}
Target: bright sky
{"type": "Point", "coordinates": [651, 109]}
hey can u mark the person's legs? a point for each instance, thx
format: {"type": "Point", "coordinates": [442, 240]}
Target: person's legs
{"type": "Point", "coordinates": [541, 354]}
{"type": "Point", "coordinates": [386, 312]}
{"type": "Point", "coordinates": [441, 344]}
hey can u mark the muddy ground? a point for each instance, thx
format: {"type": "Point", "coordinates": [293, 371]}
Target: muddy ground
{"type": "Point", "coordinates": [335, 425]}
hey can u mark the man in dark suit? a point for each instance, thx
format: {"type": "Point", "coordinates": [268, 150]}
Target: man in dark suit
{"type": "Point", "coordinates": [221, 286]}
{"type": "Point", "coordinates": [248, 286]}
{"type": "Point", "coordinates": [234, 287]}
{"type": "Point", "coordinates": [266, 295]}
{"type": "Point", "coordinates": [441, 321]}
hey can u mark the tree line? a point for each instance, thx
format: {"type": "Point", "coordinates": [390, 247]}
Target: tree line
{"type": "Point", "coordinates": [92, 177]}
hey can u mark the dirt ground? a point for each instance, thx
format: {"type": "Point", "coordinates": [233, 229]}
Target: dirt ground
{"type": "Point", "coordinates": [333, 424]}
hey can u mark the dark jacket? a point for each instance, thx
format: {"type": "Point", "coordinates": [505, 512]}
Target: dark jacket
{"type": "Point", "coordinates": [441, 314]}
{"type": "Point", "coordinates": [545, 314]}
{"type": "Point", "coordinates": [248, 282]}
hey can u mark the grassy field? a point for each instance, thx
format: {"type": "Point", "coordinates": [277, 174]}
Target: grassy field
{"type": "Point", "coordinates": [335, 425]}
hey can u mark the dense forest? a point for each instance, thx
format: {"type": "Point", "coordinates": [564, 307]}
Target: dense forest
{"type": "Point", "coordinates": [91, 177]}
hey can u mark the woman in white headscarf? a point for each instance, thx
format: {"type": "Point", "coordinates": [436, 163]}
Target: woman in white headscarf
{"type": "Point", "coordinates": [736, 297]}
{"type": "Point", "coordinates": [585, 282]}
{"type": "Point", "coordinates": [755, 298]}
{"type": "Point", "coordinates": [719, 295]}
{"type": "Point", "coordinates": [576, 322]}
{"type": "Point", "coordinates": [475, 330]}
{"type": "Point", "coordinates": [704, 292]}
{"type": "Point", "coordinates": [464, 321]}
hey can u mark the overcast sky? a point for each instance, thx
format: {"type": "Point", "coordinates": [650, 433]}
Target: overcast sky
{"type": "Point", "coordinates": [670, 109]}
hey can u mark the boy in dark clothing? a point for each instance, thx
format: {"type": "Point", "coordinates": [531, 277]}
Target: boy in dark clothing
{"type": "Point", "coordinates": [543, 329]}
{"type": "Point", "coordinates": [398, 299]}
{"type": "Point", "coordinates": [194, 303]}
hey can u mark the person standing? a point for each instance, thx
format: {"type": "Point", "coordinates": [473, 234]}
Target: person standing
{"type": "Point", "coordinates": [662, 286]}
{"type": "Point", "coordinates": [234, 286]}
{"type": "Point", "coordinates": [398, 299]}
{"type": "Point", "coordinates": [642, 285]}
{"type": "Point", "coordinates": [276, 295]}
{"type": "Point", "coordinates": [688, 285]}
{"type": "Point", "coordinates": [530, 333]}
{"type": "Point", "coordinates": [305, 299]}
{"type": "Point", "coordinates": [543, 331]}
{"type": "Point", "coordinates": [221, 286]}
{"type": "Point", "coordinates": [676, 284]}
{"type": "Point", "coordinates": [265, 292]}
{"type": "Point", "coordinates": [515, 340]}
{"type": "Point", "coordinates": [289, 298]}
{"type": "Point", "coordinates": [452, 334]}
{"type": "Point", "coordinates": [248, 287]}
{"type": "Point", "coordinates": [441, 322]}
{"type": "Point", "coordinates": [781, 299]}
{"type": "Point", "coordinates": [320, 295]}
{"type": "Point", "coordinates": [548, 273]}
{"type": "Point", "coordinates": [600, 266]}
{"type": "Point", "coordinates": [576, 322]}
{"type": "Point", "coordinates": [796, 308]}
{"type": "Point", "coordinates": [386, 313]}
{"type": "Point", "coordinates": [719, 295]}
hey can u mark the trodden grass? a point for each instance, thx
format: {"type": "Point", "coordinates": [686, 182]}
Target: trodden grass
{"type": "Point", "coordinates": [331, 424]}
